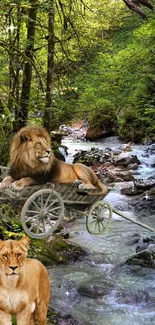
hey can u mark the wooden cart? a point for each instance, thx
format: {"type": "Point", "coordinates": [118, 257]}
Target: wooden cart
{"type": "Point", "coordinates": [45, 206]}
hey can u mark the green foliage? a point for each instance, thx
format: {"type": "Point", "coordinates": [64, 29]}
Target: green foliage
{"type": "Point", "coordinates": [120, 82]}
{"type": "Point", "coordinates": [64, 107]}
{"type": "Point", "coordinates": [5, 135]}
{"type": "Point", "coordinates": [136, 124]}
{"type": "Point", "coordinates": [104, 66]}
{"type": "Point", "coordinates": [103, 119]}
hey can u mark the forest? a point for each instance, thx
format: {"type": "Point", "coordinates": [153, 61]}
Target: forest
{"type": "Point", "coordinates": [66, 61]}
{"type": "Point", "coordinates": [92, 63]}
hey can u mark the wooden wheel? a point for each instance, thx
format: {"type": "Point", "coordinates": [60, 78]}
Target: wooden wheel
{"type": "Point", "coordinates": [42, 213]}
{"type": "Point", "coordinates": [99, 217]}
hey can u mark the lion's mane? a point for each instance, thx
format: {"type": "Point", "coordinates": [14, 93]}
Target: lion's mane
{"type": "Point", "coordinates": [19, 155]}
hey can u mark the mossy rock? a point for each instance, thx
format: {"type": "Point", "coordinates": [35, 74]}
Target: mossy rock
{"type": "Point", "coordinates": [55, 251]}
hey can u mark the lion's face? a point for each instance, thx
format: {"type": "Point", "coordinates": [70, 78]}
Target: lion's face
{"type": "Point", "coordinates": [31, 151]}
{"type": "Point", "coordinates": [13, 255]}
{"type": "Point", "coordinates": [36, 148]}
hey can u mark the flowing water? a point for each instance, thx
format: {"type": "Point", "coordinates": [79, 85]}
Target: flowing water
{"type": "Point", "coordinates": [130, 291]}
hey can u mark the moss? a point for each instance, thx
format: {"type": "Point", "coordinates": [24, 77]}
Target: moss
{"type": "Point", "coordinates": [10, 230]}
{"type": "Point", "coordinates": [49, 250]}
{"type": "Point", "coordinates": [55, 251]}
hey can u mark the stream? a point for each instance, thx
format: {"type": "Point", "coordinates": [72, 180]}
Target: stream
{"type": "Point", "coordinates": [126, 294]}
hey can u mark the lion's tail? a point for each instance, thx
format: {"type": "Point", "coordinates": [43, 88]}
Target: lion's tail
{"type": "Point", "coordinates": [102, 188]}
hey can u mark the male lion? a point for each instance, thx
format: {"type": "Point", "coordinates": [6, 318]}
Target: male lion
{"type": "Point", "coordinates": [32, 162]}
{"type": "Point", "coordinates": [24, 285]}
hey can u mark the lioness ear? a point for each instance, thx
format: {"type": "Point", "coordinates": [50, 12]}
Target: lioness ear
{"type": "Point", "coordinates": [25, 241]}
{"type": "Point", "coordinates": [25, 136]}
{"type": "Point", "coordinates": [1, 243]}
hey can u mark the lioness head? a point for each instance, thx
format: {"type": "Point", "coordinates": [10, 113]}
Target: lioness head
{"type": "Point", "coordinates": [31, 150]}
{"type": "Point", "coordinates": [13, 255]}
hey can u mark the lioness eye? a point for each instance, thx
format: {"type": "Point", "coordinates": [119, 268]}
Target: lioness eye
{"type": "Point", "coordinates": [5, 256]}
{"type": "Point", "coordinates": [19, 255]}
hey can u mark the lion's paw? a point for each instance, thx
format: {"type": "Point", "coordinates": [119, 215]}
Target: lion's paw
{"type": "Point", "coordinates": [4, 186]}
{"type": "Point", "coordinates": [14, 187]}
{"type": "Point", "coordinates": [77, 183]}
{"type": "Point", "coordinates": [82, 186]}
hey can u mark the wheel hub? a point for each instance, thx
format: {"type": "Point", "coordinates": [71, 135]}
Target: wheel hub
{"type": "Point", "coordinates": [43, 213]}
{"type": "Point", "coordinates": [100, 218]}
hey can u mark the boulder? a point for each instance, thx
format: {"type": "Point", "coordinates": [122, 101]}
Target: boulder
{"type": "Point", "coordinates": [130, 190]}
{"type": "Point", "coordinates": [92, 290]}
{"type": "Point", "coordinates": [144, 243]}
{"type": "Point", "coordinates": [116, 151]}
{"type": "Point", "coordinates": [144, 203]}
{"type": "Point", "coordinates": [126, 158]}
{"type": "Point", "coordinates": [126, 147]}
{"type": "Point", "coordinates": [132, 297]}
{"type": "Point", "coordinates": [64, 129]}
{"type": "Point", "coordinates": [125, 175]}
{"type": "Point", "coordinates": [95, 288]}
{"type": "Point", "coordinates": [93, 157]}
{"type": "Point", "coordinates": [144, 184]}
{"type": "Point", "coordinates": [103, 129]}
{"type": "Point", "coordinates": [151, 149]}
{"type": "Point", "coordinates": [144, 258]}
{"type": "Point", "coordinates": [132, 166]}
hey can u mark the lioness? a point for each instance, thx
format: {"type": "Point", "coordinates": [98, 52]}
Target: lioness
{"type": "Point", "coordinates": [32, 162]}
{"type": "Point", "coordinates": [24, 285]}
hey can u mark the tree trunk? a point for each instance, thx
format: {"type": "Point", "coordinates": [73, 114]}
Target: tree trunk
{"type": "Point", "coordinates": [50, 69]}
{"type": "Point", "coordinates": [11, 68]}
{"type": "Point", "coordinates": [27, 73]}
{"type": "Point", "coordinates": [17, 61]}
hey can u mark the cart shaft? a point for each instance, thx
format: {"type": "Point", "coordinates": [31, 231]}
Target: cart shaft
{"type": "Point", "coordinates": [133, 220]}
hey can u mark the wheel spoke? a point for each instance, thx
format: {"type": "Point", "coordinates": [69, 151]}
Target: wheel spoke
{"type": "Point", "coordinates": [54, 209]}
{"type": "Point", "coordinates": [53, 217]}
{"type": "Point", "coordinates": [53, 202]}
{"type": "Point", "coordinates": [102, 224]}
{"type": "Point", "coordinates": [99, 226]}
{"type": "Point", "coordinates": [32, 226]}
{"type": "Point", "coordinates": [32, 211]}
{"type": "Point", "coordinates": [50, 223]}
{"type": "Point", "coordinates": [31, 218]}
{"type": "Point", "coordinates": [47, 200]}
{"type": "Point", "coordinates": [42, 202]}
{"type": "Point", "coordinates": [98, 210]}
{"type": "Point", "coordinates": [38, 227]}
{"type": "Point", "coordinates": [37, 206]}
{"type": "Point", "coordinates": [44, 225]}
{"type": "Point", "coordinates": [95, 226]}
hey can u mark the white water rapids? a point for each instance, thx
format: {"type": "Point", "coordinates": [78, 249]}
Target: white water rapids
{"type": "Point", "coordinates": [130, 299]}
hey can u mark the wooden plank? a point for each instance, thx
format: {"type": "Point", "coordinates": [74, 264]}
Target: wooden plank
{"type": "Point", "coordinates": [68, 192]}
